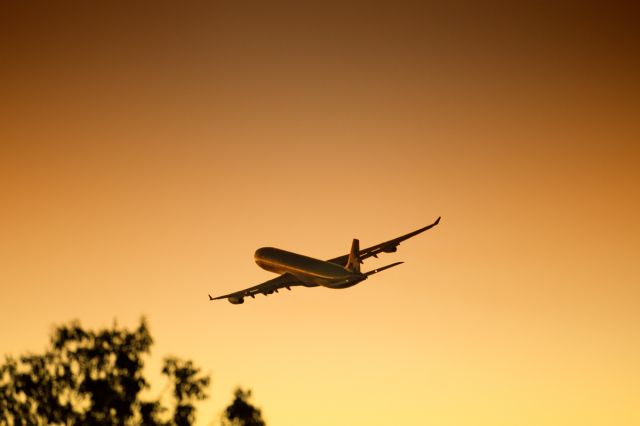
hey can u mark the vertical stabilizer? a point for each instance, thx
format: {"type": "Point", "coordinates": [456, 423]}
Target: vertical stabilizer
{"type": "Point", "coordinates": [353, 264]}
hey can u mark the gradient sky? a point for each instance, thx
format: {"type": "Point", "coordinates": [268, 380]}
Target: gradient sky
{"type": "Point", "coordinates": [148, 150]}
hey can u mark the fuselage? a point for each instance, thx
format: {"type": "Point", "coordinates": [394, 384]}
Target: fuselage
{"type": "Point", "coordinates": [312, 272]}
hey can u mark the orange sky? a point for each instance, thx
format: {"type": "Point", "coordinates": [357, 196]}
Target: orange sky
{"type": "Point", "coordinates": [147, 151]}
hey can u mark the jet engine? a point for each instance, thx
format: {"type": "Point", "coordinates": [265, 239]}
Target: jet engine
{"type": "Point", "coordinates": [237, 300]}
{"type": "Point", "coordinates": [391, 249]}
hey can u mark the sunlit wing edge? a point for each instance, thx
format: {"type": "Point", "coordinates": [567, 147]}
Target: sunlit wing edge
{"type": "Point", "coordinates": [267, 287]}
{"type": "Point", "coordinates": [386, 247]}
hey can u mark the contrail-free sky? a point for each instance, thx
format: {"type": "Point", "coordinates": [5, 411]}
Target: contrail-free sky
{"type": "Point", "coordinates": [148, 150]}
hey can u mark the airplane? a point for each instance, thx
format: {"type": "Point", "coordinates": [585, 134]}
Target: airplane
{"type": "Point", "coordinates": [298, 270]}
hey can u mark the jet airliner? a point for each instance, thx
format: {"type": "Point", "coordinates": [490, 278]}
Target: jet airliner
{"type": "Point", "coordinates": [298, 270]}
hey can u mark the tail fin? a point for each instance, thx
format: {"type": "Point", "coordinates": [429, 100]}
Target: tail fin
{"type": "Point", "coordinates": [353, 264]}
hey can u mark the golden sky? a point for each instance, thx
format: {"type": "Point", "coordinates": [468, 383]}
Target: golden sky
{"type": "Point", "coordinates": [147, 150]}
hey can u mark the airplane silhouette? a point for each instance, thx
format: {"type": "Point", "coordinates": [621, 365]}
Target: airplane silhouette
{"type": "Point", "coordinates": [298, 270]}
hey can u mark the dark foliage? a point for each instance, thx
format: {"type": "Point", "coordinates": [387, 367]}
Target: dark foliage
{"type": "Point", "coordinates": [241, 412]}
{"type": "Point", "coordinates": [94, 377]}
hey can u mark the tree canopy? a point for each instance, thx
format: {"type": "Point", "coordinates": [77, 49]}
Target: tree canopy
{"type": "Point", "coordinates": [95, 377]}
{"type": "Point", "coordinates": [241, 412]}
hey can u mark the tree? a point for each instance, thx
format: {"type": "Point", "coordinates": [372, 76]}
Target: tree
{"type": "Point", "coordinates": [241, 412]}
{"type": "Point", "coordinates": [188, 386]}
{"type": "Point", "coordinates": [94, 377]}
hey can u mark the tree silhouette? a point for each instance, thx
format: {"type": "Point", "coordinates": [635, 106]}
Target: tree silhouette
{"type": "Point", "coordinates": [95, 377]}
{"type": "Point", "coordinates": [241, 412]}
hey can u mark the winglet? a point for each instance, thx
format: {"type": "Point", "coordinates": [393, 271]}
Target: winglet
{"type": "Point", "coordinates": [211, 298]}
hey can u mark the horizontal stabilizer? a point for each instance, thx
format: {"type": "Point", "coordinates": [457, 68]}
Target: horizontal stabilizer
{"type": "Point", "coordinates": [375, 271]}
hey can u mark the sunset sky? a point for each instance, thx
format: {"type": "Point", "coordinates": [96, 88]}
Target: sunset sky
{"type": "Point", "coordinates": [148, 149]}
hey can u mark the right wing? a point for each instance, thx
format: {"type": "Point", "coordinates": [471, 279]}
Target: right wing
{"type": "Point", "coordinates": [283, 281]}
{"type": "Point", "coordinates": [386, 247]}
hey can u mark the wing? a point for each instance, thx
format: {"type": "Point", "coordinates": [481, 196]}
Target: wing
{"type": "Point", "coordinates": [386, 247]}
{"type": "Point", "coordinates": [283, 281]}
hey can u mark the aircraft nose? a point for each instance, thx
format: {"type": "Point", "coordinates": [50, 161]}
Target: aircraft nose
{"type": "Point", "coordinates": [260, 253]}
{"type": "Point", "coordinates": [266, 254]}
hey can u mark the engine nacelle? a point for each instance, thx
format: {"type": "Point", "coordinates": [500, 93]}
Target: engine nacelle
{"type": "Point", "coordinates": [236, 300]}
{"type": "Point", "coordinates": [392, 249]}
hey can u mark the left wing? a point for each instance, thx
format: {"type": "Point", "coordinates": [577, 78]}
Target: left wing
{"type": "Point", "coordinates": [386, 247]}
{"type": "Point", "coordinates": [283, 281]}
